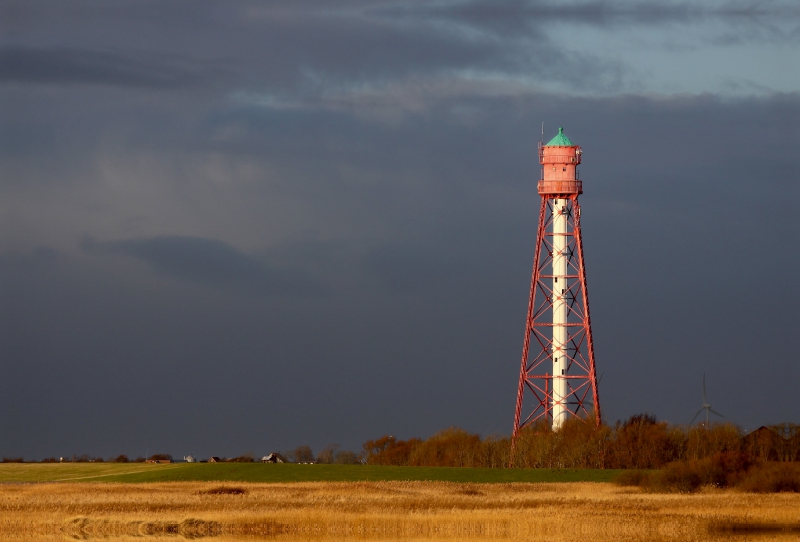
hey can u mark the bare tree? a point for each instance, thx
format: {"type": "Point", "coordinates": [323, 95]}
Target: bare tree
{"type": "Point", "coordinates": [328, 453]}
{"type": "Point", "coordinates": [346, 457]}
{"type": "Point", "coordinates": [303, 454]}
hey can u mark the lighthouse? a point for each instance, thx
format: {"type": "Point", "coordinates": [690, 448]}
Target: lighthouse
{"type": "Point", "coordinates": [558, 378]}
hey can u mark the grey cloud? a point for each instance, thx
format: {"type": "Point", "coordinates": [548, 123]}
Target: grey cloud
{"type": "Point", "coordinates": [309, 51]}
{"type": "Point", "coordinates": [207, 261]}
{"type": "Point", "coordinates": [504, 17]}
{"type": "Point", "coordinates": [64, 66]}
{"type": "Point", "coordinates": [373, 49]}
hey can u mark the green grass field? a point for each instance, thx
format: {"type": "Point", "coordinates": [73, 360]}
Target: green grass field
{"type": "Point", "coordinates": [258, 472]}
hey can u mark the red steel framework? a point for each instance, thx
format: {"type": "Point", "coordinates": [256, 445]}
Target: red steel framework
{"type": "Point", "coordinates": [559, 183]}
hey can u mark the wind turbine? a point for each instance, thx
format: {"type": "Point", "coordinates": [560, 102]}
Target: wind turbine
{"type": "Point", "coordinates": [706, 406]}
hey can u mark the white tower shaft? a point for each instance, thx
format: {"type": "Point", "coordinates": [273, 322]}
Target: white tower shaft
{"type": "Point", "coordinates": [560, 309]}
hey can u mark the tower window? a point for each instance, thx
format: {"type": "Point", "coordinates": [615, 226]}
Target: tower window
{"type": "Point", "coordinates": [562, 372]}
{"type": "Point", "coordinates": [564, 169]}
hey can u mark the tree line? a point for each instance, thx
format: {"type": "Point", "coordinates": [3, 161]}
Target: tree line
{"type": "Point", "coordinates": [641, 442]}
{"type": "Point", "coordinates": [302, 454]}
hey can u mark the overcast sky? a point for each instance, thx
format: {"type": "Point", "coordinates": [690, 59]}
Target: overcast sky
{"type": "Point", "coordinates": [246, 226]}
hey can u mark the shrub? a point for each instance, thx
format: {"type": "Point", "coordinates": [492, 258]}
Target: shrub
{"type": "Point", "coordinates": [724, 469]}
{"type": "Point", "coordinates": [452, 447]}
{"type": "Point", "coordinates": [577, 444]}
{"type": "Point", "coordinates": [160, 457]}
{"type": "Point", "coordinates": [224, 490]}
{"type": "Point", "coordinates": [642, 442]}
{"type": "Point", "coordinates": [244, 458]}
{"type": "Point", "coordinates": [495, 452]}
{"type": "Point", "coordinates": [122, 458]}
{"type": "Point", "coordinates": [581, 444]}
{"type": "Point", "coordinates": [633, 478]}
{"type": "Point", "coordinates": [536, 447]}
{"type": "Point", "coordinates": [702, 442]}
{"type": "Point", "coordinates": [772, 478]}
{"type": "Point", "coordinates": [681, 476]}
{"type": "Point", "coordinates": [13, 460]}
{"type": "Point", "coordinates": [387, 450]}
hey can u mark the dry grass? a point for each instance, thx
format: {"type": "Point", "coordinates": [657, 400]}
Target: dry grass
{"type": "Point", "coordinates": [382, 510]}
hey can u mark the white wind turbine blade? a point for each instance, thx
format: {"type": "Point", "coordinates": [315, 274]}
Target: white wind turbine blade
{"type": "Point", "coordinates": [704, 389]}
{"type": "Point", "coordinates": [715, 412]}
{"type": "Point", "coordinates": [695, 416]}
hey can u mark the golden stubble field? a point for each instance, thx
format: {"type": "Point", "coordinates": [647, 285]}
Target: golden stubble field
{"type": "Point", "coordinates": [385, 511]}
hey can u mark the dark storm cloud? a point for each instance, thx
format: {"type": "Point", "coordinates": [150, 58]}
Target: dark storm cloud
{"type": "Point", "coordinates": [208, 261]}
{"type": "Point", "coordinates": [71, 67]}
{"type": "Point", "coordinates": [413, 268]}
{"type": "Point", "coordinates": [340, 229]}
{"type": "Point", "coordinates": [431, 220]}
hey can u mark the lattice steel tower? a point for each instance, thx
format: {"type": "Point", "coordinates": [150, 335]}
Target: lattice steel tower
{"type": "Point", "coordinates": [557, 373]}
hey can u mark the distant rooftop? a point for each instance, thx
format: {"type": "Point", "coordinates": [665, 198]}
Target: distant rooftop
{"type": "Point", "coordinates": [560, 140]}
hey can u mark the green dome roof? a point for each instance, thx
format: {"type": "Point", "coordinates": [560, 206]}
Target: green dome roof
{"type": "Point", "coordinates": [560, 140]}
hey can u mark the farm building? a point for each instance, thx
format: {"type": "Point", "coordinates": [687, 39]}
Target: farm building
{"type": "Point", "coordinates": [773, 443]}
{"type": "Point", "coordinates": [273, 458]}
{"type": "Point", "coordinates": [793, 447]}
{"type": "Point", "coordinates": [763, 443]}
{"type": "Point", "coordinates": [214, 459]}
